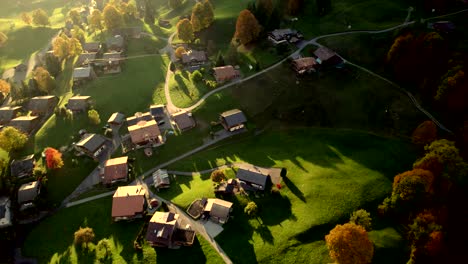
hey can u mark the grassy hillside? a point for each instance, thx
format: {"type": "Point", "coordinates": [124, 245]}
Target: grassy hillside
{"type": "Point", "coordinates": [52, 240]}
{"type": "Point", "coordinates": [330, 174]}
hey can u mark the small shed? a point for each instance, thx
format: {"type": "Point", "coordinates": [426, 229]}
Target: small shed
{"type": "Point", "coordinates": [116, 119]}
{"type": "Point", "coordinates": [161, 179]}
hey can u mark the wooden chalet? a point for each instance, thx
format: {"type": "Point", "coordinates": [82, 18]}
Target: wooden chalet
{"type": "Point", "coordinates": [129, 202]}
{"type": "Point", "coordinates": [233, 120]}
{"type": "Point", "coordinates": [225, 73]}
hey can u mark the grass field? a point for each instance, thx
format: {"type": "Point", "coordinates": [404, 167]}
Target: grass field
{"type": "Point", "coordinates": [52, 240]}
{"type": "Point", "coordinates": [360, 14]}
{"type": "Point", "coordinates": [330, 174]}
{"type": "Point", "coordinates": [340, 98]}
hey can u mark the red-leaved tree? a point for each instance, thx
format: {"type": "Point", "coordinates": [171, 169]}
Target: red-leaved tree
{"type": "Point", "coordinates": [53, 158]}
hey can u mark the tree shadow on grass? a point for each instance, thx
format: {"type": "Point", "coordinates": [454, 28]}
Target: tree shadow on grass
{"type": "Point", "coordinates": [237, 236]}
{"type": "Point", "coordinates": [181, 85]}
{"type": "Point", "coordinates": [85, 255]}
{"type": "Point", "coordinates": [165, 255]}
{"type": "Point", "coordinates": [265, 234]}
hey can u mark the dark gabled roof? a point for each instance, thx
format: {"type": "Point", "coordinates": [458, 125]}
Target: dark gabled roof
{"type": "Point", "coordinates": [234, 117]}
{"type": "Point", "coordinates": [91, 142]}
{"type": "Point", "coordinates": [116, 118]}
{"type": "Point", "coordinates": [22, 167]}
{"type": "Point", "coordinates": [24, 123]}
{"type": "Point", "coordinates": [157, 110]}
{"type": "Point", "coordinates": [251, 176]}
{"type": "Point", "coordinates": [8, 112]}
{"type": "Point", "coordinates": [117, 41]}
{"type": "Point", "coordinates": [183, 120]}
{"type": "Point", "coordinates": [193, 55]}
{"type": "Point", "coordinates": [28, 192]}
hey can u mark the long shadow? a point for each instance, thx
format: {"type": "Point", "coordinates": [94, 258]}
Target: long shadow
{"type": "Point", "coordinates": [181, 85]}
{"type": "Point", "coordinates": [274, 209]}
{"type": "Point", "coordinates": [265, 234]}
{"type": "Point", "coordinates": [24, 41]}
{"type": "Point", "coordinates": [236, 236]}
{"type": "Point", "coordinates": [293, 188]}
{"type": "Point", "coordinates": [164, 255]}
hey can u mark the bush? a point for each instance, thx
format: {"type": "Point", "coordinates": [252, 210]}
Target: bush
{"type": "Point", "coordinates": [251, 209]}
{"type": "Point", "coordinates": [361, 217]}
{"type": "Point", "coordinates": [196, 76]}
{"type": "Point", "coordinates": [83, 236]}
{"type": "Point", "coordinates": [211, 84]}
{"type": "Point", "coordinates": [218, 176]}
{"type": "Point", "coordinates": [179, 51]}
{"type": "Point", "coordinates": [94, 118]}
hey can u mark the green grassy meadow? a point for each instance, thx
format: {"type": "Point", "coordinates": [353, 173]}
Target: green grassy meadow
{"type": "Point", "coordinates": [330, 174]}
{"type": "Point", "coordinates": [52, 240]}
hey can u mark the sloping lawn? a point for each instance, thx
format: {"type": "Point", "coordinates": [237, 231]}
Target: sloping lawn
{"type": "Point", "coordinates": [330, 174]}
{"type": "Point", "coordinates": [52, 240]}
{"type": "Point", "coordinates": [22, 42]}
{"type": "Point", "coordinates": [132, 90]}
{"type": "Point", "coordinates": [341, 98]}
{"type": "Point", "coordinates": [360, 15]}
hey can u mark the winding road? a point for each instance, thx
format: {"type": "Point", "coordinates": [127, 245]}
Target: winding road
{"type": "Point", "coordinates": [172, 108]}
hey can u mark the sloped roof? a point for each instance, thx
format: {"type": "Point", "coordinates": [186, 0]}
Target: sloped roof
{"type": "Point", "coordinates": [78, 103]}
{"type": "Point", "coordinates": [305, 62]}
{"type": "Point", "coordinates": [193, 55]}
{"type": "Point", "coordinates": [160, 177]}
{"type": "Point", "coordinates": [161, 227]}
{"type": "Point", "coordinates": [280, 33]}
{"type": "Point", "coordinates": [91, 142]}
{"type": "Point", "coordinates": [143, 131]}
{"type": "Point", "coordinates": [82, 72]}
{"type": "Point", "coordinates": [157, 110]}
{"type": "Point", "coordinates": [233, 117]}
{"type": "Point", "coordinates": [324, 53]}
{"type": "Point", "coordinates": [41, 103]}
{"type": "Point", "coordinates": [8, 112]}
{"type": "Point", "coordinates": [116, 169]}
{"type": "Point", "coordinates": [252, 176]}
{"type": "Point", "coordinates": [218, 208]}
{"type": "Point", "coordinates": [128, 201]}
{"type": "Point", "coordinates": [225, 72]}
{"type": "Point", "coordinates": [183, 120]}
{"type": "Point", "coordinates": [22, 167]}
{"type": "Point", "coordinates": [86, 58]}
{"type": "Point", "coordinates": [28, 192]}
{"type": "Point", "coordinates": [24, 123]}
{"type": "Point", "coordinates": [133, 120]}
{"type": "Point", "coordinates": [116, 118]}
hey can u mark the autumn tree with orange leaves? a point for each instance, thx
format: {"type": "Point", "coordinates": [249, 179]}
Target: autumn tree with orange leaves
{"type": "Point", "coordinates": [425, 133]}
{"type": "Point", "coordinates": [53, 158]}
{"type": "Point", "coordinates": [349, 244]}
{"type": "Point", "coordinates": [247, 27]}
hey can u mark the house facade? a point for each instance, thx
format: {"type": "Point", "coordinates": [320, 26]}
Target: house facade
{"type": "Point", "coordinates": [26, 124]}
{"type": "Point", "coordinates": [24, 167]}
{"type": "Point", "coordinates": [42, 105]}
{"type": "Point", "coordinates": [82, 75]}
{"type": "Point", "coordinates": [7, 113]}
{"type": "Point", "coordinates": [27, 194]}
{"type": "Point", "coordinates": [79, 104]}
{"type": "Point", "coordinates": [303, 65]}
{"type": "Point", "coordinates": [164, 231]}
